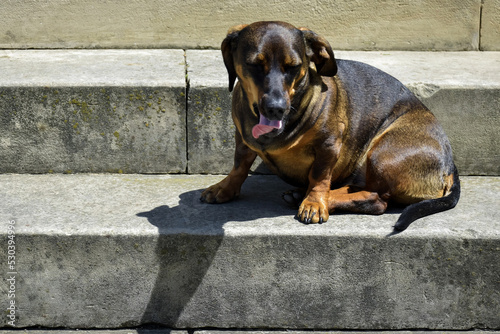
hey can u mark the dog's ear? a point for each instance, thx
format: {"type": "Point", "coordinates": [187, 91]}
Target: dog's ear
{"type": "Point", "coordinates": [320, 52]}
{"type": "Point", "coordinates": [227, 47]}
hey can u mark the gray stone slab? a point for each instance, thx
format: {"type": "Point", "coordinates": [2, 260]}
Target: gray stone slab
{"type": "Point", "coordinates": [490, 25]}
{"type": "Point", "coordinates": [215, 331]}
{"type": "Point", "coordinates": [336, 332]}
{"type": "Point", "coordinates": [461, 88]}
{"type": "Point", "coordinates": [352, 25]}
{"type": "Point", "coordinates": [111, 251]}
{"type": "Point", "coordinates": [92, 111]}
{"type": "Point", "coordinates": [96, 331]}
{"type": "Point", "coordinates": [210, 126]}
{"type": "Point", "coordinates": [125, 110]}
{"type": "Point", "coordinates": [90, 68]}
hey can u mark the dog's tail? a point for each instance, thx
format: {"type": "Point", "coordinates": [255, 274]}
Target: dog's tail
{"type": "Point", "coordinates": [431, 206]}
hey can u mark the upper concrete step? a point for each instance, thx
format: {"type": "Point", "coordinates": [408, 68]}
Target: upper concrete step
{"type": "Point", "coordinates": [131, 111]}
{"type": "Point", "coordinates": [93, 111]}
{"type": "Point", "coordinates": [109, 251]}
{"type": "Point", "coordinates": [353, 25]}
{"type": "Point", "coordinates": [461, 88]}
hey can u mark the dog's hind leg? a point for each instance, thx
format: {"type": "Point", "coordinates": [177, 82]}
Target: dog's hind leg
{"type": "Point", "coordinates": [365, 202]}
{"type": "Point", "coordinates": [295, 196]}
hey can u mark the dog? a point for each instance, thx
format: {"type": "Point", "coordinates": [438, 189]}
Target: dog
{"type": "Point", "coordinates": [349, 135]}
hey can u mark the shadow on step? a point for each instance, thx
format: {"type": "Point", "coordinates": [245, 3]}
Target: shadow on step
{"type": "Point", "coordinates": [190, 235]}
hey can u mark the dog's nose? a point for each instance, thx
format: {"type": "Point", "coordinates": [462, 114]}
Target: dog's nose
{"type": "Point", "coordinates": [274, 106]}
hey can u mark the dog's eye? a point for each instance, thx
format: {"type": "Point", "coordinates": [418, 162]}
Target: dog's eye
{"type": "Point", "coordinates": [253, 65]}
{"type": "Point", "coordinates": [292, 67]}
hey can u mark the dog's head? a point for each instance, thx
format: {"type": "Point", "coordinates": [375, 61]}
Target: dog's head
{"type": "Point", "coordinates": [272, 61]}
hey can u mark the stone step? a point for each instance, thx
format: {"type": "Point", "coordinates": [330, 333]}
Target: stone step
{"type": "Point", "coordinates": [215, 331]}
{"type": "Point", "coordinates": [168, 111]}
{"type": "Point", "coordinates": [461, 88]}
{"type": "Point", "coordinates": [447, 25]}
{"type": "Point", "coordinates": [119, 251]}
{"type": "Point", "coordinates": [93, 111]}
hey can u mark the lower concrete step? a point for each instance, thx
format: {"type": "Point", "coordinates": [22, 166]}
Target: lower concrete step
{"type": "Point", "coordinates": [132, 111]}
{"type": "Point", "coordinates": [172, 331]}
{"type": "Point", "coordinates": [118, 251]}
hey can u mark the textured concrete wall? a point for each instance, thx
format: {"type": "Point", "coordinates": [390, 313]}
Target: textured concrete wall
{"type": "Point", "coordinates": [490, 25]}
{"type": "Point", "coordinates": [132, 110]}
{"type": "Point", "coordinates": [82, 111]}
{"type": "Point", "coordinates": [355, 24]}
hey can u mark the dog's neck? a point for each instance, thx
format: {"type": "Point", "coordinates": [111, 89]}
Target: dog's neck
{"type": "Point", "coordinates": [308, 94]}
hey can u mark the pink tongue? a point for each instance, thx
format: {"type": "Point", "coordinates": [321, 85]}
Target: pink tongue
{"type": "Point", "coordinates": [265, 126]}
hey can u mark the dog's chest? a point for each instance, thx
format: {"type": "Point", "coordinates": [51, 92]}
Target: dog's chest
{"type": "Point", "coordinates": [291, 164]}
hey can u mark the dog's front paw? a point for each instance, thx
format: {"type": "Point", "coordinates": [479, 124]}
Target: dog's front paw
{"type": "Point", "coordinates": [220, 193]}
{"type": "Point", "coordinates": [313, 212]}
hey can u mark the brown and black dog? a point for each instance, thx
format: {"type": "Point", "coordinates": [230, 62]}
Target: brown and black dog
{"type": "Point", "coordinates": [351, 136]}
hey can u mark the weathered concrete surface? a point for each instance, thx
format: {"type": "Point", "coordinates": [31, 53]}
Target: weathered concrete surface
{"type": "Point", "coordinates": [335, 332]}
{"type": "Point", "coordinates": [461, 88]}
{"type": "Point", "coordinates": [116, 331]}
{"type": "Point", "coordinates": [354, 25]}
{"type": "Point", "coordinates": [110, 251]}
{"type": "Point", "coordinates": [92, 111]}
{"type": "Point", "coordinates": [171, 331]}
{"type": "Point", "coordinates": [490, 25]}
{"type": "Point", "coordinates": [210, 127]}
{"type": "Point", "coordinates": [126, 110]}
